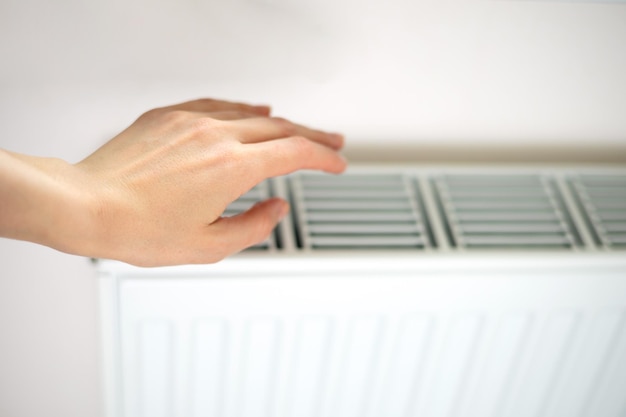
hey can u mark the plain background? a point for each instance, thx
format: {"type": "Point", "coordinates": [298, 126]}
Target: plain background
{"type": "Point", "coordinates": [458, 72]}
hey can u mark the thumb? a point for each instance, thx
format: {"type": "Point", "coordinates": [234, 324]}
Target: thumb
{"type": "Point", "coordinates": [250, 227]}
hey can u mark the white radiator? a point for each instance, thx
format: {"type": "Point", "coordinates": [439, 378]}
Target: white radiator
{"type": "Point", "coordinates": [399, 291]}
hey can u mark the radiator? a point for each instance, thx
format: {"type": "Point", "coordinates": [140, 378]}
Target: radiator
{"type": "Point", "coordinates": [389, 291]}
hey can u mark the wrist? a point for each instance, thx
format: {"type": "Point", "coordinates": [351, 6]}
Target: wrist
{"type": "Point", "coordinates": [46, 202]}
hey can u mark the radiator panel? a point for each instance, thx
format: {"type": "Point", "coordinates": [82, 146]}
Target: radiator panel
{"type": "Point", "coordinates": [375, 345]}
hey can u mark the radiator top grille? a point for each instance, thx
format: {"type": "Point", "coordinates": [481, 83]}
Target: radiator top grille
{"type": "Point", "coordinates": [357, 211]}
{"type": "Point", "coordinates": [424, 211]}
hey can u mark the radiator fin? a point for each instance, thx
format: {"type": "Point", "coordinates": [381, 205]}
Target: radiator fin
{"type": "Point", "coordinates": [454, 363]}
{"type": "Point", "coordinates": [544, 366]}
{"type": "Point", "coordinates": [505, 212]}
{"type": "Point", "coordinates": [579, 394]}
{"type": "Point", "coordinates": [259, 362]}
{"type": "Point", "coordinates": [155, 359]}
{"type": "Point", "coordinates": [359, 358]}
{"type": "Point", "coordinates": [608, 398]}
{"type": "Point", "coordinates": [502, 365]}
{"type": "Point", "coordinates": [209, 351]}
{"type": "Point", "coordinates": [602, 199]}
{"type": "Point", "coordinates": [307, 377]}
{"type": "Point", "coordinates": [405, 373]}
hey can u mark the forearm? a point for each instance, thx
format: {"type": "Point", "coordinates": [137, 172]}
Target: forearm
{"type": "Point", "coordinates": [43, 201]}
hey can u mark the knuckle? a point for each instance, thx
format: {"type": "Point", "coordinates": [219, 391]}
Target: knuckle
{"type": "Point", "coordinates": [230, 157]}
{"type": "Point", "coordinates": [302, 145]}
{"type": "Point", "coordinates": [151, 114]}
{"type": "Point", "coordinates": [174, 116]}
{"type": "Point", "coordinates": [164, 116]}
{"type": "Point", "coordinates": [285, 127]}
{"type": "Point", "coordinates": [204, 124]}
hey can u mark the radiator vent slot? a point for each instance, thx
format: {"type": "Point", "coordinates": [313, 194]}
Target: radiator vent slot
{"type": "Point", "coordinates": [259, 193]}
{"type": "Point", "coordinates": [602, 200]}
{"type": "Point", "coordinates": [358, 211]}
{"type": "Point", "coordinates": [505, 211]}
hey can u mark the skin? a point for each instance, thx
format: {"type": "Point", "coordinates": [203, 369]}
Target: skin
{"type": "Point", "coordinates": [154, 194]}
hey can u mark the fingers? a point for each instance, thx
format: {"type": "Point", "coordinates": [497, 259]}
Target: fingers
{"type": "Point", "coordinates": [248, 228]}
{"type": "Point", "coordinates": [254, 122]}
{"type": "Point", "coordinates": [284, 156]}
{"type": "Point", "coordinates": [261, 129]}
{"type": "Point", "coordinates": [251, 124]}
{"type": "Point", "coordinates": [207, 105]}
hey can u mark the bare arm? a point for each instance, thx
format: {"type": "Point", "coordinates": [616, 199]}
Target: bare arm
{"type": "Point", "coordinates": [154, 194]}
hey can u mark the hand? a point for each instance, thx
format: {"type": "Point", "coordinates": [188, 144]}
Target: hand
{"type": "Point", "coordinates": [155, 193]}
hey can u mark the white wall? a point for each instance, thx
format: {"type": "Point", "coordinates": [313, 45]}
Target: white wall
{"type": "Point", "coordinates": [74, 73]}
{"type": "Point", "coordinates": [49, 358]}
{"type": "Point", "coordinates": [427, 70]}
